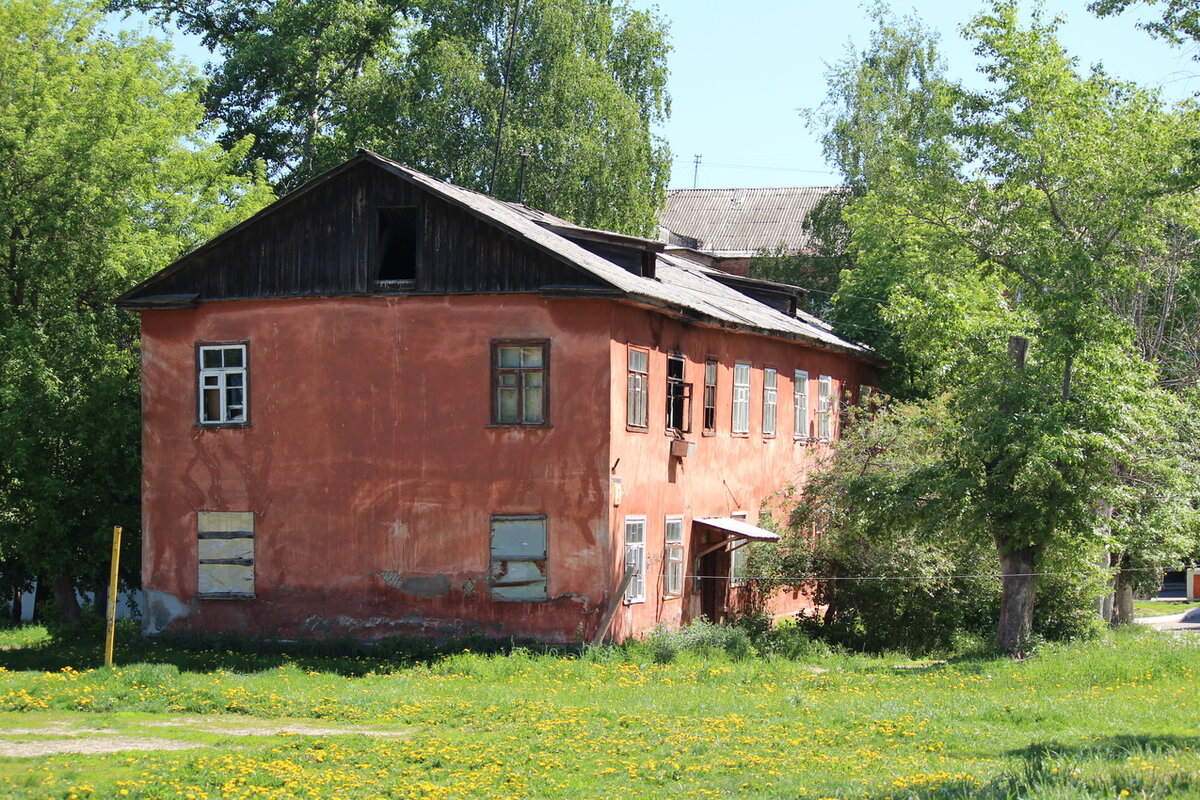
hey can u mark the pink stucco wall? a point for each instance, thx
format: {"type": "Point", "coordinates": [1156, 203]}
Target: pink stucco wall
{"type": "Point", "coordinates": [371, 467]}
{"type": "Point", "coordinates": [372, 470]}
{"type": "Point", "coordinates": [727, 473]}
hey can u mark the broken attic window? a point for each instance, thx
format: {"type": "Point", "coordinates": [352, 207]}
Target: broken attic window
{"type": "Point", "coordinates": [397, 244]}
{"type": "Point", "coordinates": [518, 565]}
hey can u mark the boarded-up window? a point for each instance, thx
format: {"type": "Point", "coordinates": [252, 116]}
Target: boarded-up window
{"type": "Point", "coordinates": [226, 550]}
{"type": "Point", "coordinates": [518, 570]}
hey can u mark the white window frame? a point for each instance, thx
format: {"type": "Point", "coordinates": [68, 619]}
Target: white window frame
{"type": "Point", "coordinates": [635, 554]}
{"type": "Point", "coordinates": [673, 556]}
{"type": "Point", "coordinates": [638, 386]}
{"type": "Point", "coordinates": [770, 401]}
{"type": "Point", "coordinates": [739, 551]}
{"type": "Point", "coordinates": [800, 404]}
{"type": "Point", "coordinates": [741, 398]}
{"type": "Point", "coordinates": [218, 379]}
{"type": "Point", "coordinates": [825, 409]}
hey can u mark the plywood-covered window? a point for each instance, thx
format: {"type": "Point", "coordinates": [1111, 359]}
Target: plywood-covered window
{"type": "Point", "coordinates": [518, 562]}
{"type": "Point", "coordinates": [800, 404]}
{"type": "Point", "coordinates": [637, 383]}
{"type": "Point", "coordinates": [520, 381]}
{"type": "Point", "coordinates": [741, 398]}
{"type": "Point", "coordinates": [673, 557]}
{"type": "Point", "coordinates": [770, 400]}
{"type": "Point", "coordinates": [679, 396]}
{"type": "Point", "coordinates": [635, 558]}
{"type": "Point", "coordinates": [710, 396]}
{"type": "Point", "coordinates": [221, 381]}
{"type": "Point", "coordinates": [226, 554]}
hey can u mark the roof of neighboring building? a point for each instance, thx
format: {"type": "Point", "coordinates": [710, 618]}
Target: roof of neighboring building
{"type": "Point", "coordinates": [739, 222]}
{"type": "Point", "coordinates": [679, 286]}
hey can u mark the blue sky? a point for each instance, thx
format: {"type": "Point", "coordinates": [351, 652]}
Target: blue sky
{"type": "Point", "coordinates": [741, 70]}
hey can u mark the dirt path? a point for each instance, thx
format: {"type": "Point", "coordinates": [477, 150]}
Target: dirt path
{"type": "Point", "coordinates": [53, 734]}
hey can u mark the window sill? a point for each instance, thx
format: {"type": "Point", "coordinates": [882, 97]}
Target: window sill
{"type": "Point", "coordinates": [769, 436]}
{"type": "Point", "coordinates": [208, 426]}
{"type": "Point", "coordinates": [634, 602]}
{"type": "Point", "coordinates": [740, 434]}
{"type": "Point", "coordinates": [708, 433]}
{"type": "Point", "coordinates": [520, 426]}
{"type": "Point", "coordinates": [225, 596]}
{"type": "Point", "coordinates": [636, 428]}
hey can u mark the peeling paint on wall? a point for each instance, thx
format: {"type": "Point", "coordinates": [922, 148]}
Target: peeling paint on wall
{"type": "Point", "coordinates": [162, 608]}
{"type": "Point", "coordinates": [418, 585]}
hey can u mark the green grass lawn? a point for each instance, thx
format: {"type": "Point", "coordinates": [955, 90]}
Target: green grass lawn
{"type": "Point", "coordinates": [1160, 608]}
{"type": "Point", "coordinates": [1114, 718]}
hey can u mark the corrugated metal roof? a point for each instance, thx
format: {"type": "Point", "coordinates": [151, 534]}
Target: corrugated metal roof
{"type": "Point", "coordinates": [678, 283]}
{"type": "Point", "coordinates": [740, 222]}
{"type": "Point", "coordinates": [739, 528]}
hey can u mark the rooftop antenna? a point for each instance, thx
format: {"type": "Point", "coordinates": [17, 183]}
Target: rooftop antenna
{"type": "Point", "coordinates": [696, 171]}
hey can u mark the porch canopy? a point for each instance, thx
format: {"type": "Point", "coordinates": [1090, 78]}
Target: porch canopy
{"type": "Point", "coordinates": [735, 529]}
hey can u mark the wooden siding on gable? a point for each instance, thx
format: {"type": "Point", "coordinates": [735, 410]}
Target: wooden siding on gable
{"type": "Point", "coordinates": [325, 241]}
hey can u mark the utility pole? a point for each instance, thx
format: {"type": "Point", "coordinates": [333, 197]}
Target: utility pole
{"type": "Point", "coordinates": [696, 171]}
{"type": "Point", "coordinates": [512, 34]}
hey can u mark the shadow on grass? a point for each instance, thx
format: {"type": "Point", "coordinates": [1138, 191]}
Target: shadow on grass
{"type": "Point", "coordinates": [1111, 767]}
{"type": "Point", "coordinates": [84, 649]}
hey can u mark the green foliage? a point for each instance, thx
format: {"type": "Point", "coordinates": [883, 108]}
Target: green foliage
{"type": "Point", "coordinates": [435, 84]}
{"type": "Point", "coordinates": [106, 177]}
{"type": "Point", "coordinates": [1047, 206]}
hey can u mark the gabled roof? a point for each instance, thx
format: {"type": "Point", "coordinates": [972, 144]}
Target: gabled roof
{"type": "Point", "coordinates": [740, 222]}
{"type": "Point", "coordinates": [679, 287]}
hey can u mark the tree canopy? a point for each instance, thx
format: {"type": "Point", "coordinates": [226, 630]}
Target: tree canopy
{"type": "Point", "coordinates": [995, 233]}
{"type": "Point", "coordinates": [457, 89]}
{"type": "Point", "coordinates": [105, 177]}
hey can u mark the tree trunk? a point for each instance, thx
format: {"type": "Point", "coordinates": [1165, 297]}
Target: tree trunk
{"type": "Point", "coordinates": [66, 604]}
{"type": "Point", "coordinates": [1122, 594]}
{"type": "Point", "coordinates": [1104, 603]}
{"type": "Point", "coordinates": [1017, 565]}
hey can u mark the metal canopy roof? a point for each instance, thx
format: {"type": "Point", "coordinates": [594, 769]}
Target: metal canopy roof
{"type": "Point", "coordinates": [741, 530]}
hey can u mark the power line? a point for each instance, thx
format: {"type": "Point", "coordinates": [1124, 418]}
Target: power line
{"type": "Point", "coordinates": [834, 578]}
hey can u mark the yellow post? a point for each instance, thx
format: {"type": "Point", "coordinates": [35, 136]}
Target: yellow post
{"type": "Point", "coordinates": [111, 627]}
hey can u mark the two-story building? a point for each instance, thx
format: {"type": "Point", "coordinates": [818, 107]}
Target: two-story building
{"type": "Point", "coordinates": [387, 404]}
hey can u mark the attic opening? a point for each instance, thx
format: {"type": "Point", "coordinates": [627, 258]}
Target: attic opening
{"type": "Point", "coordinates": [397, 245]}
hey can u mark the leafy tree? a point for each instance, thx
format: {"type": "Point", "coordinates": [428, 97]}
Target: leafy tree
{"type": "Point", "coordinates": [457, 89]}
{"type": "Point", "coordinates": [1180, 19]}
{"type": "Point", "coordinates": [1012, 215]}
{"type": "Point", "coordinates": [104, 178]}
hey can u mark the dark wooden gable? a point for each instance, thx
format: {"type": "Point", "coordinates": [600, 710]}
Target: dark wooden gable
{"type": "Point", "coordinates": [360, 229]}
